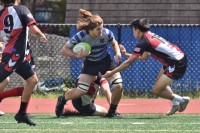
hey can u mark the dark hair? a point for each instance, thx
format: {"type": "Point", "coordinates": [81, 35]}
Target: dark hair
{"type": "Point", "coordinates": [5, 2]}
{"type": "Point", "coordinates": [141, 24]}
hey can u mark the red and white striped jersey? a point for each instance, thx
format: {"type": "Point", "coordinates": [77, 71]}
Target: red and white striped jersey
{"type": "Point", "coordinates": [14, 22]}
{"type": "Point", "coordinates": [162, 50]}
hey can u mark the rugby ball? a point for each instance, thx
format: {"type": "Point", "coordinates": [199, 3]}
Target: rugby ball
{"type": "Point", "coordinates": [82, 47]}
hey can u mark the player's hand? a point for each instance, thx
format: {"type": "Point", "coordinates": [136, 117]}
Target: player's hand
{"type": "Point", "coordinates": [82, 55]}
{"type": "Point", "coordinates": [118, 58]}
{"type": "Point", "coordinates": [122, 49]}
{"type": "Point", "coordinates": [108, 74]}
{"type": "Point", "coordinates": [43, 39]}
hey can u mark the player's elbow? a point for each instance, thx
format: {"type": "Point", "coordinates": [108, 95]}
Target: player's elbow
{"type": "Point", "coordinates": [63, 50]}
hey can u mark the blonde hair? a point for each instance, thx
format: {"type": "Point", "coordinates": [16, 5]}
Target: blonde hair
{"type": "Point", "coordinates": [88, 21]}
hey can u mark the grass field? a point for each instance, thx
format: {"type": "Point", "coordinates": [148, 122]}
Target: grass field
{"type": "Point", "coordinates": [137, 123]}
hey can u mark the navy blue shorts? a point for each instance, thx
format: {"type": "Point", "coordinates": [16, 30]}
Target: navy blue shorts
{"type": "Point", "coordinates": [177, 70]}
{"type": "Point", "coordinates": [11, 63]}
{"type": "Point", "coordinates": [94, 67]}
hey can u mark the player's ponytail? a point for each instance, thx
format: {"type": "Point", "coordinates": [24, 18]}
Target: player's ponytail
{"type": "Point", "coordinates": [85, 13]}
{"type": "Point", "coordinates": [88, 21]}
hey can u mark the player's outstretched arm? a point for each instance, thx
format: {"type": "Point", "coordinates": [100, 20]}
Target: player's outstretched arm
{"type": "Point", "coordinates": [35, 31]}
{"type": "Point", "coordinates": [123, 50]}
{"type": "Point", "coordinates": [144, 56]}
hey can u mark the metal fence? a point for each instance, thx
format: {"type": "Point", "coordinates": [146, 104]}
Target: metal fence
{"type": "Point", "coordinates": [139, 78]}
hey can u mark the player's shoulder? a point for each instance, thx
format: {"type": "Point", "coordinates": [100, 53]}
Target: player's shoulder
{"type": "Point", "coordinates": [144, 40]}
{"type": "Point", "coordinates": [82, 33]}
{"type": "Point", "coordinates": [105, 30]}
{"type": "Point", "coordinates": [21, 8]}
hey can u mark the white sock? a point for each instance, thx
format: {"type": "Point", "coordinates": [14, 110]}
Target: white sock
{"type": "Point", "coordinates": [177, 98]}
{"type": "Point", "coordinates": [175, 102]}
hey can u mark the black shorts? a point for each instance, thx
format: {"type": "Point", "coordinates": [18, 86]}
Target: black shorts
{"type": "Point", "coordinates": [84, 110]}
{"type": "Point", "coordinates": [176, 71]}
{"type": "Point", "coordinates": [21, 67]}
{"type": "Point", "coordinates": [94, 67]}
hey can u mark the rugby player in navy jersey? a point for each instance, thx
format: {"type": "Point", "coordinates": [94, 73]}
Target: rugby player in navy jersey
{"type": "Point", "coordinates": [97, 60]}
{"type": "Point", "coordinates": [174, 60]}
{"type": "Point", "coordinates": [16, 22]}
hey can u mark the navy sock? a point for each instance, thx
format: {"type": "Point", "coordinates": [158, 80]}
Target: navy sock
{"type": "Point", "coordinates": [112, 108]}
{"type": "Point", "coordinates": [23, 107]}
{"type": "Point", "coordinates": [63, 100]}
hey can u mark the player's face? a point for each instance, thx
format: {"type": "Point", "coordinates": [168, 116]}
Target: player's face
{"type": "Point", "coordinates": [136, 33]}
{"type": "Point", "coordinates": [17, 2]}
{"type": "Point", "coordinates": [97, 31]}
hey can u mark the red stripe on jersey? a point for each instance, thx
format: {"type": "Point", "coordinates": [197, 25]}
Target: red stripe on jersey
{"type": "Point", "coordinates": [15, 58]}
{"type": "Point", "coordinates": [28, 57]}
{"type": "Point", "coordinates": [103, 82]}
{"type": "Point", "coordinates": [91, 90]}
{"type": "Point", "coordinates": [14, 36]}
{"type": "Point", "coordinates": [153, 41]}
{"type": "Point", "coordinates": [2, 18]}
{"type": "Point", "coordinates": [178, 49]}
{"type": "Point", "coordinates": [32, 22]}
{"type": "Point", "coordinates": [7, 68]}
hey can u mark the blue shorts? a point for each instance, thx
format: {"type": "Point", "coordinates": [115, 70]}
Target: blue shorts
{"type": "Point", "coordinates": [21, 67]}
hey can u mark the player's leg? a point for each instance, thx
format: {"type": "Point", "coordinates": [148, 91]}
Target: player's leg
{"type": "Point", "coordinates": [116, 84]}
{"type": "Point", "coordinates": [159, 88]}
{"type": "Point", "coordinates": [83, 85]}
{"type": "Point", "coordinates": [27, 73]}
{"type": "Point", "coordinates": [4, 79]}
{"type": "Point", "coordinates": [4, 84]}
{"type": "Point", "coordinates": [175, 104]}
{"type": "Point", "coordinates": [117, 91]}
{"type": "Point", "coordinates": [162, 88]}
{"type": "Point", "coordinates": [100, 111]}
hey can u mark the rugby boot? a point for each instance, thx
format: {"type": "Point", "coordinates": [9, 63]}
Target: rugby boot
{"type": "Point", "coordinates": [23, 118]}
{"type": "Point", "coordinates": [60, 106]}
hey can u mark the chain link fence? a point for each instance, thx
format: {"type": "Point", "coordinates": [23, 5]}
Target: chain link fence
{"type": "Point", "coordinates": [139, 78]}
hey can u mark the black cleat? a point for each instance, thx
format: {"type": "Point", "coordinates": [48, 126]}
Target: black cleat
{"type": "Point", "coordinates": [114, 115]}
{"type": "Point", "coordinates": [23, 118]}
{"type": "Point", "coordinates": [59, 106]}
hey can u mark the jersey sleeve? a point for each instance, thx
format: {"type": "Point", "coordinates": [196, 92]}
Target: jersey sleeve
{"type": "Point", "coordinates": [111, 37]}
{"type": "Point", "coordinates": [141, 47]}
{"type": "Point", "coordinates": [27, 17]}
{"type": "Point", "coordinates": [77, 38]}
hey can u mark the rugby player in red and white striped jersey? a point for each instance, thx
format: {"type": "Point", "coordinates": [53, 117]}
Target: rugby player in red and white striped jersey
{"type": "Point", "coordinates": [174, 60]}
{"type": "Point", "coordinates": [16, 22]}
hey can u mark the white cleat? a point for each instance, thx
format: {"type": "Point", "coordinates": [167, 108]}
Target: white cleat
{"type": "Point", "coordinates": [173, 110]}
{"type": "Point", "coordinates": [1, 113]}
{"type": "Point", "coordinates": [184, 104]}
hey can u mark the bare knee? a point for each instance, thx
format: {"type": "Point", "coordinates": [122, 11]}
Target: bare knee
{"type": "Point", "coordinates": [32, 80]}
{"type": "Point", "coordinates": [118, 87]}
{"type": "Point", "coordinates": [156, 91]}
